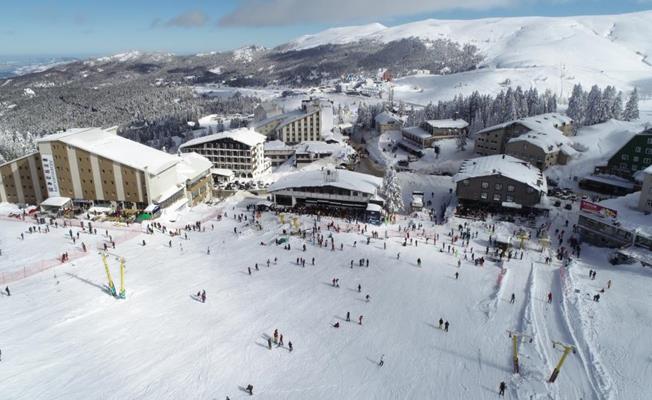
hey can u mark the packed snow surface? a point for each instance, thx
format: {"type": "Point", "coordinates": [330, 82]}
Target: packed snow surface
{"type": "Point", "coordinates": [63, 336]}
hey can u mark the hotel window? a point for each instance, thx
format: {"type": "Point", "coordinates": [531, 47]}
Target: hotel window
{"type": "Point", "coordinates": [510, 188]}
{"type": "Point", "coordinates": [637, 149]}
{"type": "Point", "coordinates": [499, 186]}
{"type": "Point", "coordinates": [496, 197]}
{"type": "Point", "coordinates": [485, 185]}
{"type": "Point", "coordinates": [625, 157]}
{"type": "Point", "coordinates": [483, 196]}
{"type": "Point", "coordinates": [509, 198]}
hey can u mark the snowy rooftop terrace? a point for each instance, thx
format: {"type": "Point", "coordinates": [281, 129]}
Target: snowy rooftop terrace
{"type": "Point", "coordinates": [629, 216]}
{"type": "Point", "coordinates": [245, 136]}
{"type": "Point", "coordinates": [539, 123]}
{"type": "Point", "coordinates": [107, 144]}
{"type": "Point", "coordinates": [448, 123]}
{"type": "Point", "coordinates": [503, 165]}
{"type": "Point", "coordinates": [337, 178]}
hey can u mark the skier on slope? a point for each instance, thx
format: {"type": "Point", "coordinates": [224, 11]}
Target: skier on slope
{"type": "Point", "coordinates": [418, 262]}
{"type": "Point", "coordinates": [441, 322]}
{"type": "Point", "coordinates": [512, 300]}
{"type": "Point", "coordinates": [501, 389]}
{"type": "Point", "coordinates": [446, 326]}
{"type": "Point", "coordinates": [549, 297]}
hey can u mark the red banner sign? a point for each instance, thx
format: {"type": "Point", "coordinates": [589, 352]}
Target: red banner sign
{"type": "Point", "coordinates": [597, 209]}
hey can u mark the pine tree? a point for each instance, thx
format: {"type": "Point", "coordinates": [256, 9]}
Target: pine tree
{"type": "Point", "coordinates": [593, 106]}
{"type": "Point", "coordinates": [617, 106]}
{"type": "Point", "coordinates": [577, 106]}
{"type": "Point", "coordinates": [391, 191]}
{"type": "Point", "coordinates": [607, 103]}
{"type": "Point", "coordinates": [631, 108]}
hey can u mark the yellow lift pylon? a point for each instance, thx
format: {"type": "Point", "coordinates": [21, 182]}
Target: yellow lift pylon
{"type": "Point", "coordinates": [515, 335]}
{"type": "Point", "coordinates": [123, 293]}
{"type": "Point", "coordinates": [568, 348]}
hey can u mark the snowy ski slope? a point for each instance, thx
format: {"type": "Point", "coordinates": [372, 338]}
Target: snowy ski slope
{"type": "Point", "coordinates": [63, 337]}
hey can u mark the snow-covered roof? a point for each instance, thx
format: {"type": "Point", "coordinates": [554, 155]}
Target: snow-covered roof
{"type": "Point", "coordinates": [340, 178]}
{"type": "Point", "coordinates": [317, 147]}
{"type": "Point", "coordinates": [222, 172]}
{"type": "Point", "coordinates": [549, 141]}
{"type": "Point", "coordinates": [504, 165]}
{"type": "Point", "coordinates": [612, 180]}
{"type": "Point", "coordinates": [386, 117]}
{"type": "Point", "coordinates": [106, 143]}
{"type": "Point", "coordinates": [296, 115]}
{"type": "Point", "coordinates": [55, 201]}
{"type": "Point", "coordinates": [192, 166]}
{"type": "Point", "coordinates": [417, 131]}
{"type": "Point", "coordinates": [276, 145]}
{"type": "Point", "coordinates": [374, 207]}
{"type": "Point", "coordinates": [245, 136]}
{"type": "Point", "coordinates": [629, 216]}
{"type": "Point", "coordinates": [541, 123]}
{"type": "Point", "coordinates": [447, 123]}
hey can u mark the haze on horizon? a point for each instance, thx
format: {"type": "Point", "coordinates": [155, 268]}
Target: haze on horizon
{"type": "Point", "coordinates": [83, 28]}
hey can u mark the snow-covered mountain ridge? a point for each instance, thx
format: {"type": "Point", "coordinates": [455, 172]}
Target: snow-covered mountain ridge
{"type": "Point", "coordinates": [615, 46]}
{"type": "Point", "coordinates": [517, 41]}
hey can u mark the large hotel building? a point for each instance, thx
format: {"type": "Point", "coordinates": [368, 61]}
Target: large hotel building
{"type": "Point", "coordinates": [96, 166]}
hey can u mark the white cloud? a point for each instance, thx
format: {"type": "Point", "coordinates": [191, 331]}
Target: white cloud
{"type": "Point", "coordinates": [286, 12]}
{"type": "Point", "coordinates": [188, 19]}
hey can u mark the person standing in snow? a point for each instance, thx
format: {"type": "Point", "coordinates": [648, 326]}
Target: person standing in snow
{"type": "Point", "coordinates": [290, 347]}
{"type": "Point", "coordinates": [360, 320]}
{"type": "Point", "coordinates": [513, 299]}
{"type": "Point", "coordinates": [7, 291]}
{"type": "Point", "coordinates": [382, 361]}
{"type": "Point", "coordinates": [269, 343]}
{"type": "Point", "coordinates": [501, 389]}
{"type": "Point", "coordinates": [348, 316]}
{"type": "Point", "coordinates": [367, 298]}
{"type": "Point", "coordinates": [250, 387]}
{"type": "Point", "coordinates": [398, 255]}
{"type": "Point", "coordinates": [359, 288]}
{"type": "Point", "coordinates": [418, 262]}
{"type": "Point", "coordinates": [457, 275]}
{"type": "Point", "coordinates": [549, 297]}
{"type": "Point", "coordinates": [441, 322]}
{"type": "Point", "coordinates": [280, 341]}
{"type": "Point", "coordinates": [249, 269]}
{"type": "Point", "coordinates": [446, 326]}
{"type": "Point", "coordinates": [203, 296]}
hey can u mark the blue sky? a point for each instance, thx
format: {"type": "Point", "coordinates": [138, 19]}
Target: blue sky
{"type": "Point", "coordinates": [75, 27]}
